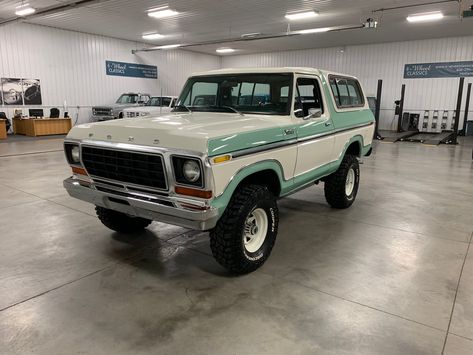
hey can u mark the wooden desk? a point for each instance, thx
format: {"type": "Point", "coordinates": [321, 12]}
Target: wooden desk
{"type": "Point", "coordinates": [42, 126]}
{"type": "Point", "coordinates": [3, 129]}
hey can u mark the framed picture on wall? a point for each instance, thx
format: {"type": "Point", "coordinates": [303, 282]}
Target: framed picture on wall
{"type": "Point", "coordinates": [12, 91]}
{"type": "Point", "coordinates": [32, 92]}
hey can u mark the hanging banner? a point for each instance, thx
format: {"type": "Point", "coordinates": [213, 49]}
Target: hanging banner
{"type": "Point", "coordinates": [131, 70]}
{"type": "Point", "coordinates": [438, 70]}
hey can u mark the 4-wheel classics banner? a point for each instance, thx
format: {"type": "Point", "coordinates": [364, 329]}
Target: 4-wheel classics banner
{"type": "Point", "coordinates": [132, 70]}
{"type": "Point", "coordinates": [438, 70]}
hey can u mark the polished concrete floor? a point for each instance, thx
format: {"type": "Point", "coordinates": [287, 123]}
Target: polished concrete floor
{"type": "Point", "coordinates": [391, 275]}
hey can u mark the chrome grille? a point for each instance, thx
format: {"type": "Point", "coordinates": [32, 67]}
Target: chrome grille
{"type": "Point", "coordinates": [140, 169]}
{"type": "Point", "coordinates": [101, 111]}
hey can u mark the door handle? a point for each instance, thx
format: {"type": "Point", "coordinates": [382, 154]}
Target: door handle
{"type": "Point", "coordinates": [328, 123]}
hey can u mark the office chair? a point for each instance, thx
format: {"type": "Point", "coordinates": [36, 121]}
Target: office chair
{"type": "Point", "coordinates": [54, 113]}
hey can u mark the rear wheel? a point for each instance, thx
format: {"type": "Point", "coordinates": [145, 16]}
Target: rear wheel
{"type": "Point", "coordinates": [341, 187]}
{"type": "Point", "coordinates": [245, 235]}
{"type": "Point", "coordinates": [121, 222]}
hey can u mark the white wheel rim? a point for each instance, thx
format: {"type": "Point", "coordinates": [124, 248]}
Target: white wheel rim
{"type": "Point", "coordinates": [256, 227]}
{"type": "Point", "coordinates": [350, 183]}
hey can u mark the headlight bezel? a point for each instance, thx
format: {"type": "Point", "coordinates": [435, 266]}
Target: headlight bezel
{"type": "Point", "coordinates": [177, 162]}
{"type": "Point", "coordinates": [68, 147]}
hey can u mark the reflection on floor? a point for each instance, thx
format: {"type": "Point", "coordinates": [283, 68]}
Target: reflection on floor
{"type": "Point", "coordinates": [391, 275]}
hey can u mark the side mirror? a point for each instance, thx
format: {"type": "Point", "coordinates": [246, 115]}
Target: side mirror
{"type": "Point", "coordinates": [314, 113]}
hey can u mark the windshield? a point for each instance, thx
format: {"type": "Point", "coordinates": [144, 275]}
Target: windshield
{"type": "Point", "coordinates": [268, 94]}
{"type": "Point", "coordinates": [127, 99]}
{"type": "Point", "coordinates": [156, 101]}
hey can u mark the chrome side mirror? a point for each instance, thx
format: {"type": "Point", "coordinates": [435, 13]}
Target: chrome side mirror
{"type": "Point", "coordinates": [314, 113]}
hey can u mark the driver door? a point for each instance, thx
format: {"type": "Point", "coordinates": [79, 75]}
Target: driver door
{"type": "Point", "coordinates": [315, 141]}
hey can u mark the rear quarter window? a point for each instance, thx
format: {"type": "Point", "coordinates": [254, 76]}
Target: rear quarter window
{"type": "Point", "coordinates": [346, 92]}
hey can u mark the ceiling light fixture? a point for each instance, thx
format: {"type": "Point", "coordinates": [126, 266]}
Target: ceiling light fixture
{"type": "Point", "coordinates": [429, 16]}
{"type": "Point", "coordinates": [162, 12]}
{"type": "Point", "coordinates": [151, 36]}
{"type": "Point", "coordinates": [169, 46]}
{"type": "Point", "coordinates": [24, 10]}
{"type": "Point", "coordinates": [314, 30]}
{"type": "Point", "coordinates": [301, 15]}
{"type": "Point", "coordinates": [225, 50]}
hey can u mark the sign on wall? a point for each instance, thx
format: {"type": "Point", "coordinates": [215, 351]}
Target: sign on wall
{"type": "Point", "coordinates": [131, 70]}
{"type": "Point", "coordinates": [438, 70]}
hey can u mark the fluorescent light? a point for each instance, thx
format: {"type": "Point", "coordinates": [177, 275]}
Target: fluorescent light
{"type": "Point", "coordinates": [301, 15]}
{"type": "Point", "coordinates": [225, 50]}
{"type": "Point", "coordinates": [169, 46]}
{"type": "Point", "coordinates": [162, 12]}
{"type": "Point", "coordinates": [429, 16]}
{"type": "Point", "coordinates": [151, 36]}
{"type": "Point", "coordinates": [314, 30]}
{"type": "Point", "coordinates": [24, 10]}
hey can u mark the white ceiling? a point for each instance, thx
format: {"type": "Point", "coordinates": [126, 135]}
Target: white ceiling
{"type": "Point", "coordinates": [204, 20]}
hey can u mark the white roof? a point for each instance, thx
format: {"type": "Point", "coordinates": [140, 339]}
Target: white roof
{"type": "Point", "coordinates": [299, 70]}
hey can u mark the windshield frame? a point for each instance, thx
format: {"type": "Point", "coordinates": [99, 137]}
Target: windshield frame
{"type": "Point", "coordinates": [218, 109]}
{"type": "Point", "coordinates": [161, 99]}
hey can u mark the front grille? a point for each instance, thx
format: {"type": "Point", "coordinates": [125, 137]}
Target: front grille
{"type": "Point", "coordinates": [127, 167]}
{"type": "Point", "coordinates": [101, 111]}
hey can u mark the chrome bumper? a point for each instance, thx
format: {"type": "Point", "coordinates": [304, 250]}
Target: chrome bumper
{"type": "Point", "coordinates": [199, 220]}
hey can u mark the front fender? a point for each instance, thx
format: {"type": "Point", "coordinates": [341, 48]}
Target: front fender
{"type": "Point", "coordinates": [223, 200]}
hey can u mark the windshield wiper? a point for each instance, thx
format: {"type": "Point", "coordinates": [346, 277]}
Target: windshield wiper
{"type": "Point", "coordinates": [234, 110]}
{"type": "Point", "coordinates": [184, 107]}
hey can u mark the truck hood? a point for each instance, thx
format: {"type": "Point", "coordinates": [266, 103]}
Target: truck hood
{"type": "Point", "coordinates": [186, 131]}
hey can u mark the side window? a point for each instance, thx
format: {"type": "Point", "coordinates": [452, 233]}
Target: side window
{"type": "Point", "coordinates": [166, 101]}
{"type": "Point", "coordinates": [347, 92]}
{"type": "Point", "coordinates": [355, 93]}
{"type": "Point", "coordinates": [308, 96]}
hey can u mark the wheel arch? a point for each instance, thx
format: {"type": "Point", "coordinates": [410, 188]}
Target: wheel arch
{"type": "Point", "coordinates": [269, 173]}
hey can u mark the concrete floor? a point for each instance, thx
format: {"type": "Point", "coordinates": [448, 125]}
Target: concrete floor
{"type": "Point", "coordinates": [391, 275]}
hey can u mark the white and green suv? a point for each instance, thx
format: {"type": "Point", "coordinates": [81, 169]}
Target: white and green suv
{"type": "Point", "coordinates": [236, 142]}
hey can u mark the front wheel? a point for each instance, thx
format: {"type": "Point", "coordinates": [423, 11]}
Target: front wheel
{"type": "Point", "coordinates": [341, 187]}
{"type": "Point", "coordinates": [245, 235]}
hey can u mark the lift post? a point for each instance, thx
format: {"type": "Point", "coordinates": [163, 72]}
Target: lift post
{"type": "Point", "coordinates": [378, 109]}
{"type": "Point", "coordinates": [457, 112]}
{"type": "Point", "coordinates": [401, 108]}
{"type": "Point", "coordinates": [467, 107]}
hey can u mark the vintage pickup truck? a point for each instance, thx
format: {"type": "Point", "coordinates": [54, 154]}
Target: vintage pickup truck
{"type": "Point", "coordinates": [236, 142]}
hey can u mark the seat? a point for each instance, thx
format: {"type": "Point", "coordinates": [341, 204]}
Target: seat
{"type": "Point", "coordinates": [3, 116]}
{"type": "Point", "coordinates": [54, 113]}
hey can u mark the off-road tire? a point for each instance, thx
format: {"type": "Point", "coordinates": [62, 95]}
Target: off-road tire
{"type": "Point", "coordinates": [226, 239]}
{"type": "Point", "coordinates": [121, 222]}
{"type": "Point", "coordinates": [335, 192]}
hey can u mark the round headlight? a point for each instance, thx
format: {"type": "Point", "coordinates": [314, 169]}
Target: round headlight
{"type": "Point", "coordinates": [191, 170]}
{"type": "Point", "coordinates": [75, 154]}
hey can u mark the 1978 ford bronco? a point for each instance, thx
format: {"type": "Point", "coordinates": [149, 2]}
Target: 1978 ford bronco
{"type": "Point", "coordinates": [236, 141]}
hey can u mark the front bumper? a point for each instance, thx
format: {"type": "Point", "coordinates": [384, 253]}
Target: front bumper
{"type": "Point", "coordinates": [164, 210]}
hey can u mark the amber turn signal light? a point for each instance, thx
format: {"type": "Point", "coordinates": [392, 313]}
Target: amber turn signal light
{"type": "Point", "coordinates": [78, 170]}
{"type": "Point", "coordinates": [193, 192]}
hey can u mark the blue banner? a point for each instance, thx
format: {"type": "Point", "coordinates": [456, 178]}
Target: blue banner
{"type": "Point", "coordinates": [131, 69]}
{"type": "Point", "coordinates": [438, 70]}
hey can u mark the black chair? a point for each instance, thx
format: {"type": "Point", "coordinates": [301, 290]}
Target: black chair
{"type": "Point", "coordinates": [54, 113]}
{"type": "Point", "coordinates": [3, 116]}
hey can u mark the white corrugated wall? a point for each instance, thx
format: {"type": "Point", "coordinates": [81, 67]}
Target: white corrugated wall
{"type": "Point", "coordinates": [381, 61]}
{"type": "Point", "coordinates": [71, 66]}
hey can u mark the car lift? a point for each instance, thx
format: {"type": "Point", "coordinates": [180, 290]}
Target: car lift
{"type": "Point", "coordinates": [405, 128]}
{"type": "Point", "coordinates": [444, 136]}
